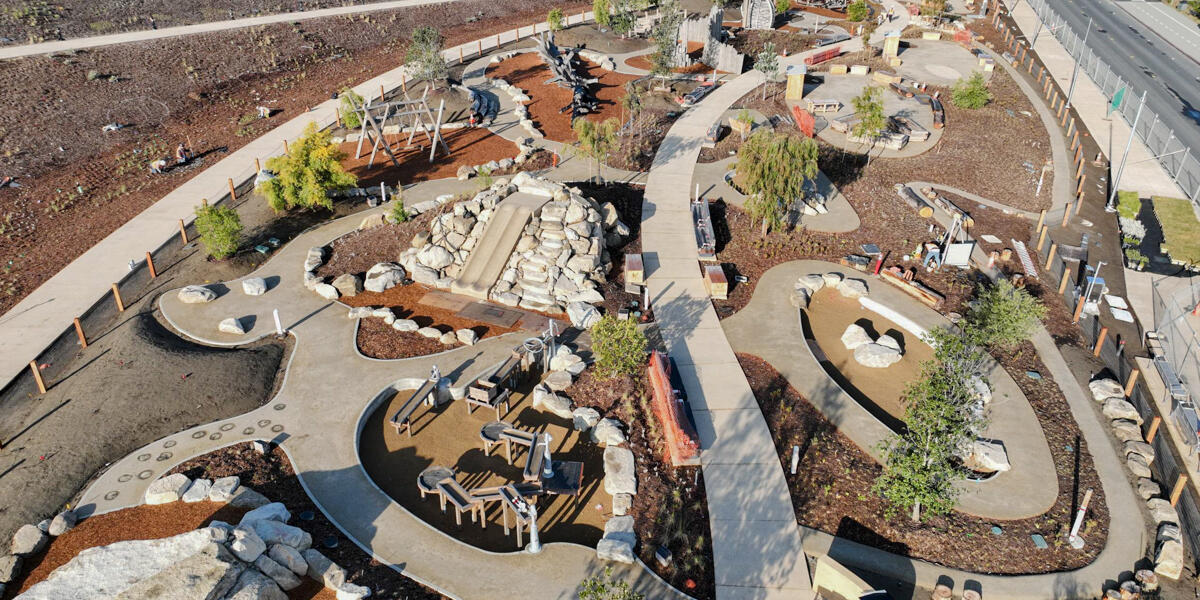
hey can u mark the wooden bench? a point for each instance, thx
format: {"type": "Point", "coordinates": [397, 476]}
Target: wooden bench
{"type": "Point", "coordinates": [450, 491]}
{"type": "Point", "coordinates": [402, 418]}
{"type": "Point", "coordinates": [487, 397]}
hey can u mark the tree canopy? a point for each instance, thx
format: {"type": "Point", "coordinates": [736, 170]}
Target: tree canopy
{"type": "Point", "coordinates": [772, 168]}
{"type": "Point", "coordinates": [868, 107]}
{"type": "Point", "coordinates": [424, 56]}
{"type": "Point", "coordinates": [596, 140]}
{"type": "Point", "coordinates": [304, 176]}
{"type": "Point", "coordinates": [971, 92]}
{"type": "Point", "coordinates": [1004, 315]}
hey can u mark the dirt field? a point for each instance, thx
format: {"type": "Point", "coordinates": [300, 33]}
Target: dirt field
{"type": "Point", "coordinates": [528, 72]}
{"type": "Point", "coordinates": [204, 88]}
{"type": "Point", "coordinates": [447, 436]}
{"type": "Point", "coordinates": [468, 146]}
{"type": "Point", "coordinates": [829, 314]}
{"type": "Point", "coordinates": [831, 492]}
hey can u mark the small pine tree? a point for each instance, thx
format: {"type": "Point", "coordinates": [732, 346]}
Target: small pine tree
{"type": "Point", "coordinates": [1004, 316]}
{"type": "Point", "coordinates": [350, 103]}
{"type": "Point", "coordinates": [607, 588]}
{"type": "Point", "coordinates": [398, 214]}
{"type": "Point", "coordinates": [619, 348]}
{"type": "Point", "coordinates": [304, 176]}
{"type": "Point", "coordinates": [971, 92]}
{"type": "Point", "coordinates": [596, 140]}
{"type": "Point", "coordinates": [220, 230]}
{"type": "Point", "coordinates": [868, 107]}
{"type": "Point", "coordinates": [602, 11]}
{"type": "Point", "coordinates": [424, 55]}
{"type": "Point", "coordinates": [555, 19]}
{"type": "Point", "coordinates": [773, 168]}
{"type": "Point", "coordinates": [767, 62]}
{"type": "Point", "coordinates": [857, 11]}
{"type": "Point", "coordinates": [782, 6]}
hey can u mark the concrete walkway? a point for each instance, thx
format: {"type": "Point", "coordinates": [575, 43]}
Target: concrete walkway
{"type": "Point", "coordinates": [756, 541]}
{"type": "Point", "coordinates": [182, 30]}
{"type": "Point", "coordinates": [35, 322]}
{"type": "Point", "coordinates": [769, 327]}
{"type": "Point", "coordinates": [328, 392]}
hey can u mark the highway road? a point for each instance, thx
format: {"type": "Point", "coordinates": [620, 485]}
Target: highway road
{"type": "Point", "coordinates": [1146, 61]}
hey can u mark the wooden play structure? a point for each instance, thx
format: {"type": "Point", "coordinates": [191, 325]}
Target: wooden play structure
{"type": "Point", "coordinates": [412, 114]}
{"type": "Point", "coordinates": [671, 410]}
{"type": "Point", "coordinates": [402, 418]}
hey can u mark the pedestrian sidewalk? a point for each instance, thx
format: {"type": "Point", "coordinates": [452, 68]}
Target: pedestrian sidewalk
{"type": "Point", "coordinates": [1142, 172]}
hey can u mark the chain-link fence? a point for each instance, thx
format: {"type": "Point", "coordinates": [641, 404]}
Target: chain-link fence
{"type": "Point", "coordinates": [1175, 323]}
{"type": "Point", "coordinates": [1176, 158]}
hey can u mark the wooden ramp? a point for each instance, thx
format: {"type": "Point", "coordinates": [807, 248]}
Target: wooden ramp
{"type": "Point", "coordinates": [487, 260]}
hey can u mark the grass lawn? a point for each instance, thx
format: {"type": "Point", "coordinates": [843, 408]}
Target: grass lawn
{"type": "Point", "coordinates": [1181, 230]}
{"type": "Point", "coordinates": [1128, 204]}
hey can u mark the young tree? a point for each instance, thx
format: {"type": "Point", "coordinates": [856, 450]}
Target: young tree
{"type": "Point", "coordinates": [622, 22]}
{"type": "Point", "coordinates": [631, 102]}
{"type": "Point", "coordinates": [304, 176]}
{"type": "Point", "coordinates": [1003, 315]}
{"type": "Point", "coordinates": [782, 6]}
{"type": "Point", "coordinates": [767, 62]}
{"type": "Point", "coordinates": [619, 348]}
{"type": "Point", "coordinates": [350, 103]}
{"type": "Point", "coordinates": [773, 168]}
{"type": "Point", "coordinates": [596, 140]}
{"type": "Point", "coordinates": [868, 107]}
{"type": "Point", "coordinates": [220, 230]}
{"type": "Point", "coordinates": [601, 9]}
{"type": "Point", "coordinates": [971, 92]}
{"type": "Point", "coordinates": [666, 38]}
{"type": "Point", "coordinates": [868, 29]}
{"type": "Point", "coordinates": [942, 415]}
{"type": "Point", "coordinates": [555, 19]}
{"type": "Point", "coordinates": [934, 9]}
{"type": "Point", "coordinates": [424, 55]}
{"type": "Point", "coordinates": [857, 11]}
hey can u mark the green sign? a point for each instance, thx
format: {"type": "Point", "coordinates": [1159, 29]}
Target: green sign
{"type": "Point", "coordinates": [1116, 101]}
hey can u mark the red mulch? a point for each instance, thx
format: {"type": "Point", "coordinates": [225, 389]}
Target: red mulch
{"type": "Point", "coordinates": [468, 146]}
{"type": "Point", "coordinates": [528, 72]}
{"type": "Point", "coordinates": [378, 340]}
{"type": "Point", "coordinates": [832, 489]}
{"type": "Point", "coordinates": [643, 62]}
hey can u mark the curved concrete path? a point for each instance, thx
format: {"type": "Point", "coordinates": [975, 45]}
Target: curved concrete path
{"type": "Point", "coordinates": [328, 392]}
{"type": "Point", "coordinates": [769, 327]}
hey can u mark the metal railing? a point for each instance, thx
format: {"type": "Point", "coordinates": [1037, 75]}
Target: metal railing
{"type": "Point", "coordinates": [1177, 159]}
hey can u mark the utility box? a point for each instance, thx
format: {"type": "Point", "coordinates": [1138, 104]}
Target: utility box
{"type": "Point", "coordinates": [795, 82]}
{"type": "Point", "coordinates": [891, 44]}
{"type": "Point", "coordinates": [715, 282]}
{"type": "Point", "coordinates": [635, 273]}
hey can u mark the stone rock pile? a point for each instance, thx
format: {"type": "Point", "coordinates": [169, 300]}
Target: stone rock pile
{"type": "Point", "coordinates": [466, 337]}
{"type": "Point", "coordinates": [807, 285]}
{"type": "Point", "coordinates": [879, 353]}
{"type": "Point", "coordinates": [525, 150]}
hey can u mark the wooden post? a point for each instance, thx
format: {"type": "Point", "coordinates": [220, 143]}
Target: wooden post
{"type": "Point", "coordinates": [1079, 170]}
{"type": "Point", "coordinates": [150, 264]}
{"type": "Point", "coordinates": [37, 376]}
{"type": "Point", "coordinates": [1132, 381]}
{"type": "Point", "coordinates": [117, 296]}
{"type": "Point", "coordinates": [1066, 278]}
{"type": "Point", "coordinates": [460, 55]}
{"type": "Point", "coordinates": [480, 46]}
{"type": "Point", "coordinates": [1100, 341]}
{"type": "Point", "coordinates": [404, 84]}
{"type": "Point", "coordinates": [1074, 138]}
{"type": "Point", "coordinates": [1066, 113]}
{"type": "Point", "coordinates": [1178, 490]}
{"type": "Point", "coordinates": [337, 111]}
{"type": "Point", "coordinates": [1153, 431]}
{"type": "Point", "coordinates": [1078, 311]}
{"type": "Point", "coordinates": [232, 191]}
{"type": "Point", "coordinates": [497, 41]}
{"type": "Point", "coordinates": [1079, 200]}
{"type": "Point", "coordinates": [1029, 67]}
{"type": "Point", "coordinates": [1042, 238]}
{"type": "Point", "coordinates": [183, 232]}
{"type": "Point", "coordinates": [1067, 214]}
{"type": "Point", "coordinates": [381, 94]}
{"type": "Point", "coordinates": [1050, 255]}
{"type": "Point", "coordinates": [1041, 220]}
{"type": "Point", "coordinates": [79, 332]}
{"type": "Point", "coordinates": [257, 165]}
{"type": "Point", "coordinates": [285, 148]}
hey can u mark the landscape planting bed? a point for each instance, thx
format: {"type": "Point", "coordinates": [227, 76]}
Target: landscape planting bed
{"type": "Point", "coordinates": [468, 146]}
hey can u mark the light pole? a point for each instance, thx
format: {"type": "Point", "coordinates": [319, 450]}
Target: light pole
{"type": "Point", "coordinates": [1112, 197]}
{"type": "Point", "coordinates": [1075, 71]}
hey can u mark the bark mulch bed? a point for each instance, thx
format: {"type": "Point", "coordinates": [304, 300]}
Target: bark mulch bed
{"type": "Point", "coordinates": [831, 491]}
{"type": "Point", "coordinates": [638, 144]}
{"type": "Point", "coordinates": [751, 41]}
{"type": "Point", "coordinates": [272, 475]}
{"type": "Point", "coordinates": [528, 72]}
{"type": "Point", "coordinates": [470, 146]}
{"type": "Point", "coordinates": [203, 88]}
{"type": "Point", "coordinates": [670, 508]}
{"type": "Point", "coordinates": [642, 61]}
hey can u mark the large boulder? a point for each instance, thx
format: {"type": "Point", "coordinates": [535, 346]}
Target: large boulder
{"type": "Point", "coordinates": [855, 336]}
{"type": "Point", "coordinates": [254, 286]}
{"type": "Point", "coordinates": [558, 381]}
{"type": "Point", "coordinates": [28, 539]}
{"type": "Point", "coordinates": [833, 279]}
{"type": "Point", "coordinates": [987, 457]}
{"type": "Point", "coordinates": [435, 257]}
{"type": "Point", "coordinates": [1118, 408]}
{"type": "Point", "coordinates": [546, 400]}
{"type": "Point", "coordinates": [314, 258]}
{"type": "Point", "coordinates": [347, 284]}
{"type": "Point", "coordinates": [582, 315]}
{"type": "Point", "coordinates": [1147, 489]}
{"type": "Point", "coordinates": [232, 326]}
{"type": "Point", "coordinates": [281, 575]}
{"type": "Point", "coordinates": [430, 332]}
{"type": "Point", "coordinates": [1146, 451]}
{"type": "Point", "coordinates": [323, 570]}
{"type": "Point", "coordinates": [467, 337]}
{"type": "Point", "coordinates": [274, 511]}
{"type": "Point", "coordinates": [246, 544]}
{"type": "Point", "coordinates": [64, 522]}
{"type": "Point", "coordinates": [1103, 389]}
{"type": "Point", "coordinates": [615, 551]}
{"type": "Point", "coordinates": [621, 504]}
{"type": "Point", "coordinates": [167, 489]}
{"type": "Point", "coordinates": [10, 568]}
{"type": "Point", "coordinates": [618, 541]}
{"type": "Point", "coordinates": [890, 342]}
{"type": "Point", "coordinates": [1168, 561]}
{"type": "Point", "coordinates": [876, 356]}
{"type": "Point", "coordinates": [1162, 511]}
{"type": "Point", "coordinates": [196, 294]}
{"type": "Point", "coordinates": [384, 276]}
{"type": "Point", "coordinates": [853, 288]}
{"type": "Point", "coordinates": [405, 325]}
{"type": "Point", "coordinates": [245, 497]}
{"type": "Point", "coordinates": [198, 491]}
{"type": "Point", "coordinates": [288, 557]}
{"type": "Point", "coordinates": [620, 473]}
{"type": "Point", "coordinates": [1126, 430]}
{"type": "Point", "coordinates": [253, 585]}
{"type": "Point", "coordinates": [185, 566]}
{"type": "Point", "coordinates": [424, 275]}
{"type": "Point", "coordinates": [813, 283]}
{"type": "Point", "coordinates": [326, 291]}
{"type": "Point", "coordinates": [608, 432]}
{"type": "Point", "coordinates": [585, 418]}
{"type": "Point", "coordinates": [223, 488]}
{"type": "Point", "coordinates": [1137, 465]}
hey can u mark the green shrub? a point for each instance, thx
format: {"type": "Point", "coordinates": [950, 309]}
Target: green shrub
{"type": "Point", "coordinates": [782, 6]}
{"type": "Point", "coordinates": [857, 11]}
{"type": "Point", "coordinates": [971, 92]}
{"type": "Point", "coordinates": [619, 347]}
{"type": "Point", "coordinates": [607, 588]}
{"type": "Point", "coordinates": [350, 102]}
{"type": "Point", "coordinates": [304, 176]}
{"type": "Point", "coordinates": [398, 214]}
{"type": "Point", "coordinates": [220, 230]}
{"type": "Point", "coordinates": [1129, 204]}
{"type": "Point", "coordinates": [424, 55]}
{"type": "Point", "coordinates": [555, 19]}
{"type": "Point", "coordinates": [1004, 315]}
{"type": "Point", "coordinates": [601, 9]}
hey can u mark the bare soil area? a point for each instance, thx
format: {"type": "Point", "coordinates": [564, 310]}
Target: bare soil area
{"type": "Point", "coordinates": [831, 491]}
{"type": "Point", "coordinates": [273, 476]}
{"type": "Point", "coordinates": [528, 72]}
{"type": "Point", "coordinates": [588, 36]}
{"type": "Point", "coordinates": [670, 508]}
{"type": "Point", "coordinates": [829, 314]}
{"type": "Point", "coordinates": [468, 146]}
{"type": "Point", "coordinates": [79, 183]}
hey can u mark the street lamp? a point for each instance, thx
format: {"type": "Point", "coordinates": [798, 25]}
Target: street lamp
{"type": "Point", "coordinates": [1075, 71]}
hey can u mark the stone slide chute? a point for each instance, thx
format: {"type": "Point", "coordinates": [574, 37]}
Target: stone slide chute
{"type": "Point", "coordinates": [489, 258]}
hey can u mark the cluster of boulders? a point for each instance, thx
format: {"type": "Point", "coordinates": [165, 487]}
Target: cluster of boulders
{"type": "Point", "coordinates": [466, 337]}
{"type": "Point", "coordinates": [559, 260]}
{"type": "Point", "coordinates": [379, 278]}
{"type": "Point", "coordinates": [807, 285]}
{"type": "Point", "coordinates": [31, 539]}
{"type": "Point", "coordinates": [1126, 425]}
{"type": "Point", "coordinates": [620, 473]}
{"type": "Point", "coordinates": [525, 150]}
{"type": "Point", "coordinates": [199, 294]}
{"type": "Point", "coordinates": [519, 97]}
{"type": "Point", "coordinates": [879, 353]}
